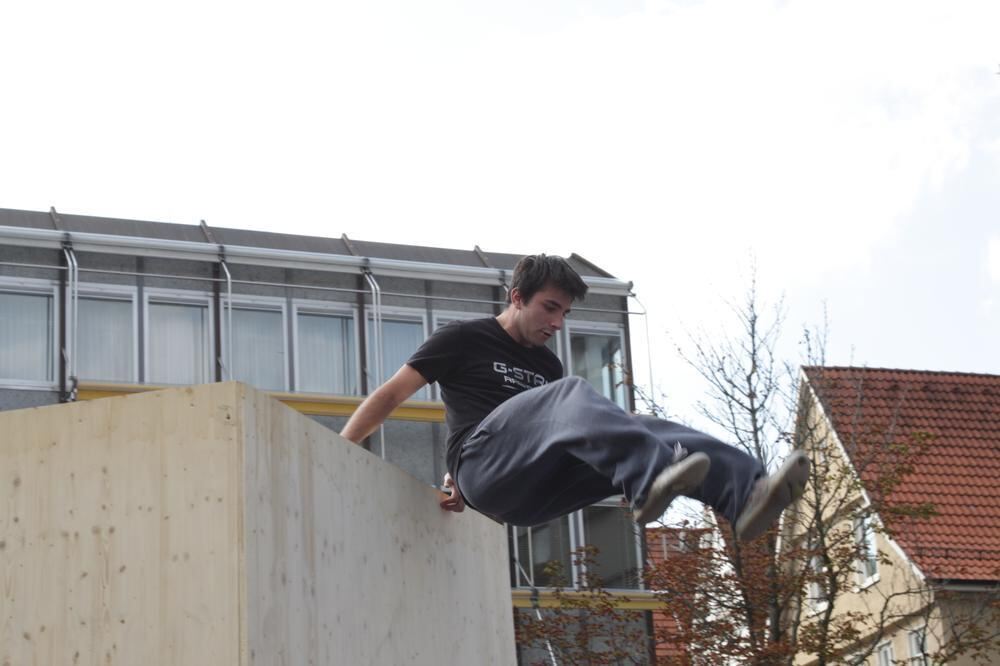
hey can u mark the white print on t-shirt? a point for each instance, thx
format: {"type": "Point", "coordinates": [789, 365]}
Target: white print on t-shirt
{"type": "Point", "coordinates": [518, 377]}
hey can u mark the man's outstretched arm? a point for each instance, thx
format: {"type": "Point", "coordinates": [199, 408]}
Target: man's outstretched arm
{"type": "Point", "coordinates": [376, 408]}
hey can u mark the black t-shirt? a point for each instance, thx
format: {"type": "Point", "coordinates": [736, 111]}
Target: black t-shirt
{"type": "Point", "coordinates": [478, 366]}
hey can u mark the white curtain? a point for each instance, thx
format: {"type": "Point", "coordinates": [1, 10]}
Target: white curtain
{"type": "Point", "coordinates": [399, 340]}
{"type": "Point", "coordinates": [105, 340]}
{"type": "Point", "coordinates": [26, 335]}
{"type": "Point", "coordinates": [598, 359]}
{"type": "Point", "coordinates": [178, 344]}
{"type": "Point", "coordinates": [326, 354]}
{"type": "Point", "coordinates": [259, 348]}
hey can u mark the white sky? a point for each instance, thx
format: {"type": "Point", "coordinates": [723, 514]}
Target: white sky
{"type": "Point", "coordinates": [852, 147]}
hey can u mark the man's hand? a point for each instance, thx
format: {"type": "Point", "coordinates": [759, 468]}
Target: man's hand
{"type": "Point", "coordinates": [451, 498]}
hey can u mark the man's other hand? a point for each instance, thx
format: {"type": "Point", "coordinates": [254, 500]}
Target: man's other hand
{"type": "Point", "coordinates": [451, 498]}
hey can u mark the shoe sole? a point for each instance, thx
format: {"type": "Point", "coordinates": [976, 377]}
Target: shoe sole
{"type": "Point", "coordinates": [675, 480]}
{"type": "Point", "coordinates": [787, 485]}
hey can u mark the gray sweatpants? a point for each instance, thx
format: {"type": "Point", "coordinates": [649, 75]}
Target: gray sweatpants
{"type": "Point", "coordinates": [560, 447]}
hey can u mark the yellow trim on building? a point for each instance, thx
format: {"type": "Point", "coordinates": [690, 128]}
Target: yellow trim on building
{"type": "Point", "coordinates": [313, 404]}
{"type": "Point", "coordinates": [630, 600]}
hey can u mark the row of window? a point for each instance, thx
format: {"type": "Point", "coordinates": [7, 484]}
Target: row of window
{"type": "Point", "coordinates": [306, 346]}
{"type": "Point", "coordinates": [277, 344]}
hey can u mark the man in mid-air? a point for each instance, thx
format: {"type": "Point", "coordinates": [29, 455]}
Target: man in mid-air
{"type": "Point", "coordinates": [527, 445]}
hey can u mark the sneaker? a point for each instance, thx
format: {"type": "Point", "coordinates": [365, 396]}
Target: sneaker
{"type": "Point", "coordinates": [771, 495]}
{"type": "Point", "coordinates": [677, 479]}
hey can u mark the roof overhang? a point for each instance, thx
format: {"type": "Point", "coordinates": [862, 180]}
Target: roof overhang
{"type": "Point", "coordinates": [978, 586]}
{"type": "Point", "coordinates": [259, 256]}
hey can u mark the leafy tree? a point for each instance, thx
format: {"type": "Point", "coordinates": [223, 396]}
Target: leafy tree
{"type": "Point", "coordinates": [779, 599]}
{"type": "Point", "coordinates": [772, 600]}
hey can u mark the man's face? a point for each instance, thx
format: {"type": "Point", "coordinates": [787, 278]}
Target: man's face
{"type": "Point", "coordinates": [540, 318]}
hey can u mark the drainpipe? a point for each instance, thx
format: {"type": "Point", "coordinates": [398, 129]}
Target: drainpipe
{"type": "Point", "coordinates": [72, 319]}
{"type": "Point", "coordinates": [227, 364]}
{"type": "Point", "coordinates": [506, 290]}
{"type": "Point", "coordinates": [377, 334]}
{"type": "Point", "coordinates": [223, 369]}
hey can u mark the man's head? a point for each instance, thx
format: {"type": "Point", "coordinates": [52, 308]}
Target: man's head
{"type": "Point", "coordinates": [541, 293]}
{"type": "Point", "coordinates": [537, 271]}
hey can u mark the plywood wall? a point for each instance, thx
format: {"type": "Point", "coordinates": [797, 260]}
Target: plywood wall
{"type": "Point", "coordinates": [351, 561]}
{"type": "Point", "coordinates": [214, 525]}
{"type": "Point", "coordinates": [120, 524]}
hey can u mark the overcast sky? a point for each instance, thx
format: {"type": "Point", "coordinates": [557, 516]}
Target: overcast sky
{"type": "Point", "coordinates": [852, 147]}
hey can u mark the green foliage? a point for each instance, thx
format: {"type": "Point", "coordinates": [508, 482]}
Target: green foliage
{"type": "Point", "coordinates": [586, 628]}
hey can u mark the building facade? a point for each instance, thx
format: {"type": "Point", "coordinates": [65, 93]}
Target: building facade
{"type": "Point", "coordinates": [92, 307]}
{"type": "Point", "coordinates": [907, 504]}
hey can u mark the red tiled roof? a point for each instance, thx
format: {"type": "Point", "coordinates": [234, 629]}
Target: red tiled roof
{"type": "Point", "coordinates": [959, 471]}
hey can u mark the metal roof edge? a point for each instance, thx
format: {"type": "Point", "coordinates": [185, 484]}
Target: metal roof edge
{"type": "Point", "coordinates": [589, 264]}
{"type": "Point", "coordinates": [236, 254]}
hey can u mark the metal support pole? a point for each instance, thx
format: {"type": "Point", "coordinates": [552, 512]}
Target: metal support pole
{"type": "Point", "coordinates": [649, 352]}
{"type": "Point", "coordinates": [538, 612]}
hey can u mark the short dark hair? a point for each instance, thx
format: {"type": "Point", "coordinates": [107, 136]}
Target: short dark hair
{"type": "Point", "coordinates": [535, 271]}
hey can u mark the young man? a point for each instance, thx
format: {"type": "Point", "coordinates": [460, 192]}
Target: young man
{"type": "Point", "coordinates": [526, 445]}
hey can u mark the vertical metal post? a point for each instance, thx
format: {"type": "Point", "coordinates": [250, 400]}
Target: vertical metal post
{"type": "Point", "coordinates": [649, 352]}
{"type": "Point", "coordinates": [537, 608]}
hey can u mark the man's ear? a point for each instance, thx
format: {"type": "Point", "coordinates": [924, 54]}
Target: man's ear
{"type": "Point", "coordinates": [515, 297]}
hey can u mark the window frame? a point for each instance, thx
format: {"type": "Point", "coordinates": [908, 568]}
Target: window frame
{"type": "Point", "coordinates": [816, 595]}
{"type": "Point", "coordinates": [329, 309]}
{"type": "Point", "coordinates": [393, 313]}
{"type": "Point", "coordinates": [577, 539]}
{"type": "Point", "coordinates": [615, 502]}
{"type": "Point", "coordinates": [917, 657]}
{"type": "Point", "coordinates": [562, 346]}
{"type": "Point", "coordinates": [161, 295]}
{"type": "Point", "coordinates": [441, 317]}
{"type": "Point", "coordinates": [864, 578]}
{"type": "Point", "coordinates": [116, 292]}
{"type": "Point", "coordinates": [266, 304]}
{"type": "Point", "coordinates": [37, 287]}
{"type": "Point", "coordinates": [529, 566]}
{"type": "Point", "coordinates": [884, 654]}
{"type": "Point", "coordinates": [595, 328]}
